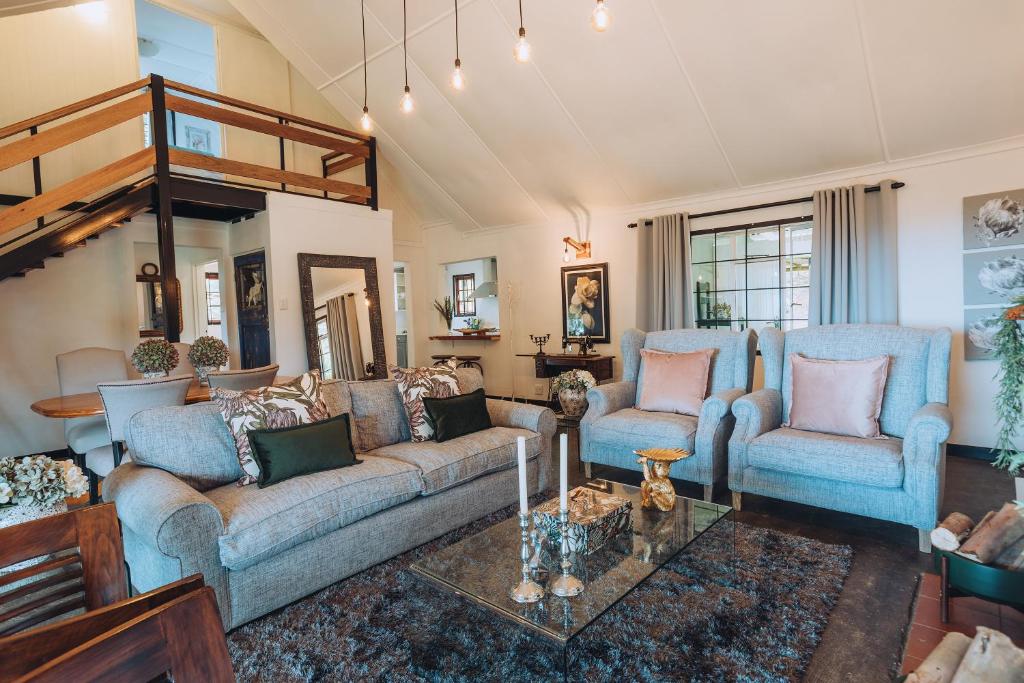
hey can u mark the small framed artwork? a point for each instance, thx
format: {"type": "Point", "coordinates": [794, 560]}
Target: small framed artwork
{"type": "Point", "coordinates": [197, 139]}
{"type": "Point", "coordinates": [585, 303]}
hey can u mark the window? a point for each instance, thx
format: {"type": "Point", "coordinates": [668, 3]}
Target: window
{"type": "Point", "coordinates": [323, 342]}
{"type": "Point", "coordinates": [753, 276]}
{"type": "Point", "coordinates": [212, 299]}
{"type": "Point", "coordinates": [464, 286]}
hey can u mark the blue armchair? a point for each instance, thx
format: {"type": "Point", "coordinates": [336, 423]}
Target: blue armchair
{"type": "Point", "coordinates": [612, 428]}
{"type": "Point", "coordinates": [899, 479]}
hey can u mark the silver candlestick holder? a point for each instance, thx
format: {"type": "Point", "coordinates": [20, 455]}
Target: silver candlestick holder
{"type": "Point", "coordinates": [565, 585]}
{"type": "Point", "coordinates": [527, 590]}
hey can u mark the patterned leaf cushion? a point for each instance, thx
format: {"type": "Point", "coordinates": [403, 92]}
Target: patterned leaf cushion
{"type": "Point", "coordinates": [286, 405]}
{"type": "Point", "coordinates": [415, 384]}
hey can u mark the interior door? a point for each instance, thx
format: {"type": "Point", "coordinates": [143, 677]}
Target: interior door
{"type": "Point", "coordinates": [251, 297]}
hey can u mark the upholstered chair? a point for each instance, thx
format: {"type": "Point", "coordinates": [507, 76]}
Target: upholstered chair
{"type": "Point", "coordinates": [184, 365]}
{"type": "Point", "coordinates": [78, 372]}
{"type": "Point", "coordinates": [613, 428]}
{"type": "Point", "coordinates": [899, 478]}
{"type": "Point", "coordinates": [121, 400]}
{"type": "Point", "coordinates": [240, 380]}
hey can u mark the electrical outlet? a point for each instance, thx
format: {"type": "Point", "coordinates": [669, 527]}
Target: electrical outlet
{"type": "Point", "coordinates": [538, 389]}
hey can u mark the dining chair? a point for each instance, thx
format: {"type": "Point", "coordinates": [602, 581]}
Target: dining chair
{"type": "Point", "coordinates": [184, 364]}
{"type": "Point", "coordinates": [75, 561]}
{"type": "Point", "coordinates": [240, 380]}
{"type": "Point", "coordinates": [170, 633]}
{"type": "Point", "coordinates": [121, 400]}
{"type": "Point", "coordinates": [78, 372]}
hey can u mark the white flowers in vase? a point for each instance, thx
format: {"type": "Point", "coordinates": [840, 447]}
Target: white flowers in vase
{"type": "Point", "coordinates": [36, 480]}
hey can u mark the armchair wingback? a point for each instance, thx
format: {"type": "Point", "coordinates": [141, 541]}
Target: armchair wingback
{"type": "Point", "coordinates": [897, 479]}
{"type": "Point", "coordinates": [613, 428]}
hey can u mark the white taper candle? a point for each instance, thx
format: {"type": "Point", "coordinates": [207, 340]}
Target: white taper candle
{"type": "Point", "coordinates": [563, 471]}
{"type": "Point", "coordinates": [524, 507]}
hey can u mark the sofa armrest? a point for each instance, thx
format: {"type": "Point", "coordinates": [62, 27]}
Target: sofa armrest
{"type": "Point", "coordinates": [718, 405]}
{"type": "Point", "coordinates": [756, 414]}
{"type": "Point", "coordinates": [608, 398]}
{"type": "Point", "coordinates": [711, 440]}
{"type": "Point", "coordinates": [528, 416]}
{"type": "Point", "coordinates": [924, 448]}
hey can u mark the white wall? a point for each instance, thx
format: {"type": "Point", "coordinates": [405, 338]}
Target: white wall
{"type": "Point", "coordinates": [930, 262]}
{"type": "Point", "coordinates": [299, 224]}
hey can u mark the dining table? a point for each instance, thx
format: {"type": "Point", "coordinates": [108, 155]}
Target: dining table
{"type": "Point", "coordinates": [90, 404]}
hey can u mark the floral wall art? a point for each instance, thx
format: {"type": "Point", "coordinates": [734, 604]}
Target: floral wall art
{"type": "Point", "coordinates": [993, 265]}
{"type": "Point", "coordinates": [585, 303]}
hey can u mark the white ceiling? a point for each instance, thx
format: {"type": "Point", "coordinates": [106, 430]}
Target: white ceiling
{"type": "Point", "coordinates": [679, 97]}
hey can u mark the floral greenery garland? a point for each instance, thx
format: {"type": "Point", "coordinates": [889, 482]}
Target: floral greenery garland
{"type": "Point", "coordinates": [208, 352]}
{"type": "Point", "coordinates": [1009, 349]}
{"type": "Point", "coordinates": [573, 380]}
{"type": "Point", "coordinates": [155, 355]}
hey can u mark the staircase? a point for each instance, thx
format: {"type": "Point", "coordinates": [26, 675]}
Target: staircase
{"type": "Point", "coordinates": [161, 178]}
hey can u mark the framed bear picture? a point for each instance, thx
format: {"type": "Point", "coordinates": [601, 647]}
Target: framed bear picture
{"type": "Point", "coordinates": [585, 303]}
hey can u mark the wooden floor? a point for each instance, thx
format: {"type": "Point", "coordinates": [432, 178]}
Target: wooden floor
{"type": "Point", "coordinates": [868, 629]}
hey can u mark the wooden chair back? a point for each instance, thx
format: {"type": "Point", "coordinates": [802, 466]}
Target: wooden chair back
{"type": "Point", "coordinates": [171, 633]}
{"type": "Point", "coordinates": [75, 562]}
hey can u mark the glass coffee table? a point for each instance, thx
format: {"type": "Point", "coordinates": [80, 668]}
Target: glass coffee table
{"type": "Point", "coordinates": [484, 567]}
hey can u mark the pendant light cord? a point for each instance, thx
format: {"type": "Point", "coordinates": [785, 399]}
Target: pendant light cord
{"type": "Point", "coordinates": [405, 41]}
{"type": "Point", "coordinates": [362, 11]}
{"type": "Point", "coordinates": [520, 13]}
{"type": "Point", "coordinates": [456, 30]}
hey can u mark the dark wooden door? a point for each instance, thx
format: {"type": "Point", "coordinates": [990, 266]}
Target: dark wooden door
{"type": "Point", "coordinates": [251, 301]}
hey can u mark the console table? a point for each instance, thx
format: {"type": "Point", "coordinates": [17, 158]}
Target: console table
{"type": "Point", "coordinates": [553, 364]}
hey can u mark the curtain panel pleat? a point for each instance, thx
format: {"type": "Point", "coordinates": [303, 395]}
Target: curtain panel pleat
{"type": "Point", "coordinates": [346, 353]}
{"type": "Point", "coordinates": [853, 256]}
{"type": "Point", "coordinates": [664, 279]}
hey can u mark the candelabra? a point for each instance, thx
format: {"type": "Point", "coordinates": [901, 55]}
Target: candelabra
{"type": "Point", "coordinates": [566, 585]}
{"type": "Point", "coordinates": [540, 341]}
{"type": "Point", "coordinates": [527, 589]}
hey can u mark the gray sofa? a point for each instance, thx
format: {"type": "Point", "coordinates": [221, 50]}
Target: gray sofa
{"type": "Point", "coordinates": [261, 549]}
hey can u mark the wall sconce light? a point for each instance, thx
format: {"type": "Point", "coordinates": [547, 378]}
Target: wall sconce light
{"type": "Point", "coordinates": [582, 248]}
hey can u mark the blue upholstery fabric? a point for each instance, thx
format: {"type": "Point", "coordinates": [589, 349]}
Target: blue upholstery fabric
{"type": "Point", "coordinates": [899, 479]}
{"type": "Point", "coordinates": [612, 428]}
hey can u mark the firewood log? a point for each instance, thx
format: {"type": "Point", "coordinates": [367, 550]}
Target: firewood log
{"type": "Point", "coordinates": [991, 658]}
{"type": "Point", "coordinates": [952, 532]}
{"type": "Point", "coordinates": [1002, 530]}
{"type": "Point", "coordinates": [942, 663]}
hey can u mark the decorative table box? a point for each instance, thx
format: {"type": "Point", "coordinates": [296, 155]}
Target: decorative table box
{"type": "Point", "coordinates": [594, 517]}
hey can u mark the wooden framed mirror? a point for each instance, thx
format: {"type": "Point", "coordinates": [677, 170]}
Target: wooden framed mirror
{"type": "Point", "coordinates": [341, 315]}
{"type": "Point", "coordinates": [150, 303]}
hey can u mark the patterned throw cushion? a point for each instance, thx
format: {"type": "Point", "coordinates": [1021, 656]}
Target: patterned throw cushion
{"type": "Point", "coordinates": [286, 405]}
{"type": "Point", "coordinates": [415, 384]}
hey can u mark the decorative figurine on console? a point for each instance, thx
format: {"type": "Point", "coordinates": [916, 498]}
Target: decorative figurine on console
{"type": "Point", "coordinates": [540, 341]}
{"type": "Point", "coordinates": [586, 345]}
{"type": "Point", "coordinates": [657, 491]}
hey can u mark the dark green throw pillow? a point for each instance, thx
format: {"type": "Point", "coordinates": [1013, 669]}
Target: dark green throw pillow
{"type": "Point", "coordinates": [288, 452]}
{"type": "Point", "coordinates": [457, 415]}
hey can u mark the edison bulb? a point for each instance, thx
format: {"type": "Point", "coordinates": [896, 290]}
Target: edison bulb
{"type": "Point", "coordinates": [407, 104]}
{"type": "Point", "coordinates": [522, 48]}
{"type": "Point", "coordinates": [365, 122]}
{"type": "Point", "coordinates": [565, 254]}
{"type": "Point", "coordinates": [458, 80]}
{"type": "Point", "coordinates": [601, 18]}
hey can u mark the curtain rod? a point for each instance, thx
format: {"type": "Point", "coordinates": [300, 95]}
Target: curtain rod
{"type": "Point", "coordinates": [768, 205]}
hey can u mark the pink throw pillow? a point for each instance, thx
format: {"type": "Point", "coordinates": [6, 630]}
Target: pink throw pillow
{"type": "Point", "coordinates": [838, 396]}
{"type": "Point", "coordinates": [674, 382]}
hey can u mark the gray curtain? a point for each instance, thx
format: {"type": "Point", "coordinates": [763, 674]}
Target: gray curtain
{"type": "Point", "coordinates": [853, 256]}
{"type": "Point", "coordinates": [343, 332]}
{"type": "Point", "coordinates": [664, 282]}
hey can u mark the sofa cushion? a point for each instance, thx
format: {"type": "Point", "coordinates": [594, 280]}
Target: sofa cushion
{"type": "Point", "coordinates": [634, 429]}
{"type": "Point", "coordinates": [871, 462]}
{"type": "Point", "coordinates": [454, 462]}
{"type": "Point", "coordinates": [260, 523]}
{"type": "Point", "coordinates": [204, 459]}
{"type": "Point", "coordinates": [380, 416]}
{"type": "Point", "coordinates": [415, 384]}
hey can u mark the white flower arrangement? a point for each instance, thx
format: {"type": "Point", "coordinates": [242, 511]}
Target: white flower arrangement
{"type": "Point", "coordinates": [574, 380]}
{"type": "Point", "coordinates": [39, 481]}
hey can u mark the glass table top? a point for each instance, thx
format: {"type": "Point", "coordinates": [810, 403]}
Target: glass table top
{"type": "Point", "coordinates": [486, 566]}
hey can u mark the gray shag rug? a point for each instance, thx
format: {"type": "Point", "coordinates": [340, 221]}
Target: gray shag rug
{"type": "Point", "coordinates": [696, 619]}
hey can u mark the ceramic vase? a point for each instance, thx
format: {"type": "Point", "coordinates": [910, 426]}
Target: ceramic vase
{"type": "Point", "coordinates": [155, 375]}
{"type": "Point", "coordinates": [203, 373]}
{"type": "Point", "coordinates": [573, 401]}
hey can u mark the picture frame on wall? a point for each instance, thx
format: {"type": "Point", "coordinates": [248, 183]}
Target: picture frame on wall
{"type": "Point", "coordinates": [585, 310]}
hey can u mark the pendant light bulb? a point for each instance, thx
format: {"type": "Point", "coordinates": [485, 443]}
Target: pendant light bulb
{"type": "Point", "coordinates": [458, 80]}
{"type": "Point", "coordinates": [522, 47]}
{"type": "Point", "coordinates": [601, 18]}
{"type": "Point", "coordinates": [565, 254]}
{"type": "Point", "coordinates": [365, 122]}
{"type": "Point", "coordinates": [407, 103]}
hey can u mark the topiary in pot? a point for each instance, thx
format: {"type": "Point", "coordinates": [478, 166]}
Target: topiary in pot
{"type": "Point", "coordinates": [155, 357]}
{"type": "Point", "coordinates": [1008, 348]}
{"type": "Point", "coordinates": [207, 354]}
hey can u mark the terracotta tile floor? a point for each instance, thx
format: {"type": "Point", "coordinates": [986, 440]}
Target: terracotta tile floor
{"type": "Point", "coordinates": [965, 614]}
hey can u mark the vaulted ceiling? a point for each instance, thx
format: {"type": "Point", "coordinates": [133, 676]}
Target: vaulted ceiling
{"type": "Point", "coordinates": [678, 97]}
